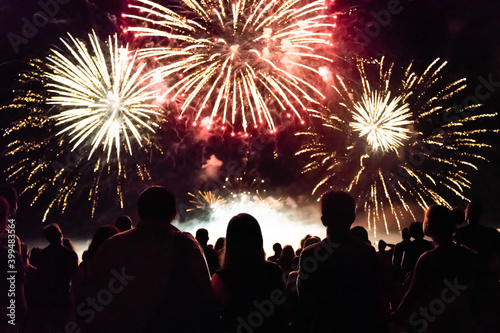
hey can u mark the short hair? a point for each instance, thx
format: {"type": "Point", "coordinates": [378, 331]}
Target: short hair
{"type": "Point", "coordinates": [416, 230]}
{"type": "Point", "coordinates": [52, 233]}
{"type": "Point", "coordinates": [10, 194]}
{"type": "Point", "coordinates": [4, 208]}
{"type": "Point", "coordinates": [405, 234]}
{"type": "Point", "coordinates": [202, 235]}
{"type": "Point", "coordinates": [439, 222]}
{"type": "Point", "coordinates": [123, 223]}
{"type": "Point", "coordinates": [156, 203]}
{"type": "Point", "coordinates": [277, 247]}
{"type": "Point", "coordinates": [340, 206]}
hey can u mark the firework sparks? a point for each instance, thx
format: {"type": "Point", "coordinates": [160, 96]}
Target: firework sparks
{"type": "Point", "coordinates": [399, 149]}
{"type": "Point", "coordinates": [246, 62]}
{"type": "Point", "coordinates": [206, 201]}
{"type": "Point", "coordinates": [103, 96]}
{"type": "Point", "coordinates": [82, 105]}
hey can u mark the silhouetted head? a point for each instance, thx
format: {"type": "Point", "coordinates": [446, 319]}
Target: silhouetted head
{"type": "Point", "coordinates": [53, 234]}
{"type": "Point", "coordinates": [416, 230]}
{"type": "Point", "coordinates": [311, 241]}
{"type": "Point", "coordinates": [439, 224]}
{"type": "Point", "coordinates": [123, 223]}
{"type": "Point", "coordinates": [458, 216]}
{"type": "Point", "coordinates": [303, 240]}
{"type": "Point", "coordinates": [100, 236]}
{"type": "Point", "coordinates": [382, 245]}
{"type": "Point", "coordinates": [10, 194]}
{"type": "Point", "coordinates": [360, 233]}
{"type": "Point", "coordinates": [4, 214]}
{"type": "Point", "coordinates": [68, 244]}
{"type": "Point", "coordinates": [277, 249]}
{"type": "Point", "coordinates": [338, 211]}
{"type": "Point", "coordinates": [244, 244]}
{"type": "Point", "coordinates": [220, 244]}
{"type": "Point", "coordinates": [474, 212]}
{"type": "Point", "coordinates": [405, 234]}
{"type": "Point", "coordinates": [157, 205]}
{"type": "Point", "coordinates": [202, 236]}
{"type": "Point", "coordinates": [288, 253]}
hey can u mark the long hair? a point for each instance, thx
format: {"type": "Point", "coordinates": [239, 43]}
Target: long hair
{"type": "Point", "coordinates": [244, 244]}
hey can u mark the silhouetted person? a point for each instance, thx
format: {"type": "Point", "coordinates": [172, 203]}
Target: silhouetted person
{"type": "Point", "coordinates": [388, 286]}
{"type": "Point", "coordinates": [446, 294]}
{"type": "Point", "coordinates": [416, 248]}
{"type": "Point", "coordinates": [80, 281]}
{"type": "Point", "coordinates": [399, 251]}
{"type": "Point", "coordinates": [247, 282]}
{"type": "Point", "coordinates": [123, 223]}
{"type": "Point", "coordinates": [210, 254]}
{"type": "Point", "coordinates": [19, 309]}
{"type": "Point", "coordinates": [338, 276]}
{"type": "Point", "coordinates": [57, 266]}
{"type": "Point", "coordinates": [156, 275]}
{"type": "Point", "coordinates": [360, 233]}
{"type": "Point", "coordinates": [286, 259]}
{"type": "Point", "coordinates": [277, 253]}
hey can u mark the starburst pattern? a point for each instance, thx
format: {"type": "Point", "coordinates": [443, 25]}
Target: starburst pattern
{"type": "Point", "coordinates": [397, 145]}
{"type": "Point", "coordinates": [245, 62]}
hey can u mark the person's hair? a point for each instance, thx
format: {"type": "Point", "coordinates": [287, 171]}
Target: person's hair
{"type": "Point", "coordinates": [416, 230]}
{"type": "Point", "coordinates": [202, 236]}
{"type": "Point", "coordinates": [360, 233]}
{"type": "Point", "coordinates": [10, 194]}
{"type": "Point", "coordinates": [288, 253]}
{"type": "Point", "coordinates": [156, 203]}
{"type": "Point", "coordinates": [4, 213]}
{"type": "Point", "coordinates": [405, 234]}
{"type": "Point", "coordinates": [277, 248]}
{"type": "Point", "coordinates": [439, 223]}
{"type": "Point", "coordinates": [53, 233]}
{"type": "Point", "coordinates": [123, 223]}
{"type": "Point", "coordinates": [244, 244]}
{"type": "Point", "coordinates": [100, 236]}
{"type": "Point", "coordinates": [311, 241]}
{"type": "Point", "coordinates": [303, 240]}
{"type": "Point", "coordinates": [474, 212]}
{"type": "Point", "coordinates": [382, 245]}
{"type": "Point", "coordinates": [220, 244]}
{"type": "Point", "coordinates": [338, 210]}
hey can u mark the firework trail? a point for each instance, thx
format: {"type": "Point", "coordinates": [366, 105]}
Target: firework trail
{"type": "Point", "coordinates": [394, 142]}
{"type": "Point", "coordinates": [100, 103]}
{"type": "Point", "coordinates": [244, 62]}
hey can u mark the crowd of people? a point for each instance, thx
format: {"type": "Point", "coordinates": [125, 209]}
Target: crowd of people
{"type": "Point", "coordinates": [151, 277]}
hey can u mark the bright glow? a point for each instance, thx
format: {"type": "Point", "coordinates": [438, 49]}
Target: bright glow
{"type": "Point", "coordinates": [239, 62]}
{"type": "Point", "coordinates": [400, 153]}
{"type": "Point", "coordinates": [102, 98]}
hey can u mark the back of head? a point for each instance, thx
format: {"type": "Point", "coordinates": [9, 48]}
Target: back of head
{"type": "Point", "coordinates": [100, 236]}
{"type": "Point", "coordinates": [382, 245]}
{"type": "Point", "coordinates": [338, 211]}
{"type": "Point", "coordinates": [474, 212]}
{"type": "Point", "coordinates": [123, 223]}
{"type": "Point", "coordinates": [311, 241]}
{"type": "Point", "coordinates": [220, 244]}
{"type": "Point", "coordinates": [244, 244]}
{"type": "Point", "coordinates": [303, 240]}
{"type": "Point", "coordinates": [156, 204]}
{"type": "Point", "coordinates": [4, 213]}
{"type": "Point", "coordinates": [439, 223]}
{"type": "Point", "coordinates": [288, 253]}
{"type": "Point", "coordinates": [416, 230]}
{"type": "Point", "coordinates": [405, 234]}
{"type": "Point", "coordinates": [10, 194]}
{"type": "Point", "coordinates": [277, 248]}
{"type": "Point", "coordinates": [202, 236]}
{"type": "Point", "coordinates": [53, 234]}
{"type": "Point", "coordinates": [360, 233]}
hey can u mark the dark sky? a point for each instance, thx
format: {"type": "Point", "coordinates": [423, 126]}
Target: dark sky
{"type": "Point", "coordinates": [465, 33]}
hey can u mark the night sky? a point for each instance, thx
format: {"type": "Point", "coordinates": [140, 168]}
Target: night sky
{"type": "Point", "coordinates": [465, 33]}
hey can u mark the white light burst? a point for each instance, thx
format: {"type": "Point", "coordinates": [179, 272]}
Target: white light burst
{"type": "Point", "coordinates": [245, 61]}
{"type": "Point", "coordinates": [103, 97]}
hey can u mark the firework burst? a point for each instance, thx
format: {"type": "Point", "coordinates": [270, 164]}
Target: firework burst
{"type": "Point", "coordinates": [94, 102]}
{"type": "Point", "coordinates": [395, 143]}
{"type": "Point", "coordinates": [205, 200]}
{"type": "Point", "coordinates": [247, 61]}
